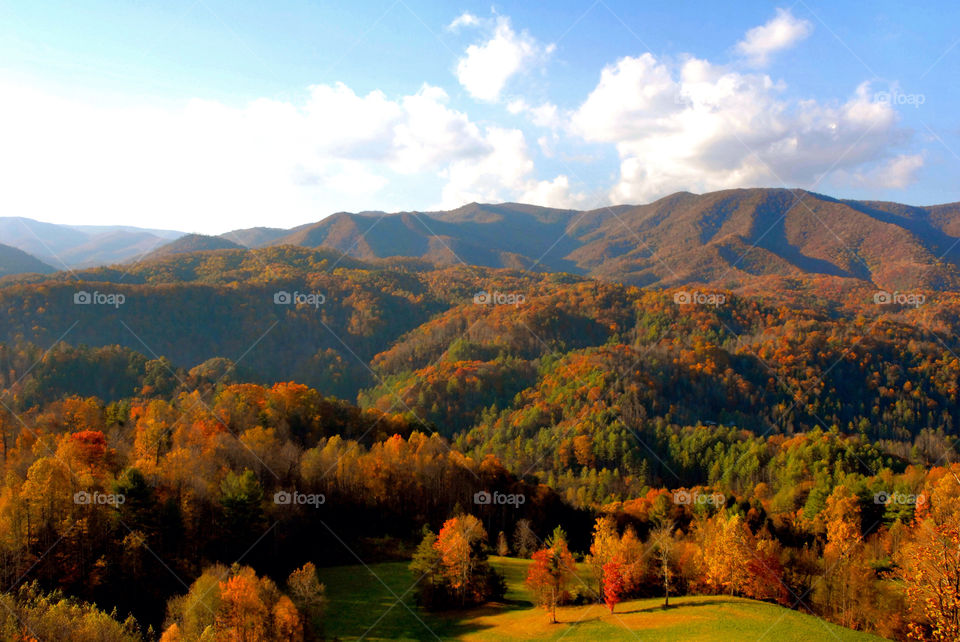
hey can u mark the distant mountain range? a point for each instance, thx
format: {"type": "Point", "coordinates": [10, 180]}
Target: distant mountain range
{"type": "Point", "coordinates": [726, 238]}
{"type": "Point", "coordinates": [76, 246]}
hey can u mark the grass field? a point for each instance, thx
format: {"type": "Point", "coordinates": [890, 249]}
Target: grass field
{"type": "Point", "coordinates": [376, 603]}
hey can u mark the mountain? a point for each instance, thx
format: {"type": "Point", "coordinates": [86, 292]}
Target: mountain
{"type": "Point", "coordinates": [78, 246]}
{"type": "Point", "coordinates": [729, 238]}
{"type": "Point", "coordinates": [506, 235]}
{"type": "Point", "coordinates": [15, 261]}
{"type": "Point", "coordinates": [255, 236]}
{"type": "Point", "coordinates": [193, 243]}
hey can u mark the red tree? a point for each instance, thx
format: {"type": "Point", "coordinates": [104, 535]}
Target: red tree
{"type": "Point", "coordinates": [613, 583]}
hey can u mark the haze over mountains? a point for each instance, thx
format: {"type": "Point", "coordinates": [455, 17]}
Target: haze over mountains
{"type": "Point", "coordinates": [75, 246]}
{"type": "Point", "coordinates": [726, 238]}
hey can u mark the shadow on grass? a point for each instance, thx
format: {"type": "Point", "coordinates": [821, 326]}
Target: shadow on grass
{"type": "Point", "coordinates": [676, 604]}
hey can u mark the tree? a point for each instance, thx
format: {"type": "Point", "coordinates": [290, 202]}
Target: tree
{"type": "Point", "coordinates": [309, 597]}
{"type": "Point", "coordinates": [550, 574]}
{"type": "Point", "coordinates": [847, 585]}
{"type": "Point", "coordinates": [244, 614]}
{"type": "Point", "coordinates": [632, 554]}
{"type": "Point", "coordinates": [503, 549]}
{"type": "Point", "coordinates": [242, 498]}
{"type": "Point", "coordinates": [929, 567]}
{"type": "Point", "coordinates": [235, 604]}
{"type": "Point", "coordinates": [664, 543]}
{"type": "Point", "coordinates": [452, 567]}
{"type": "Point", "coordinates": [29, 614]}
{"type": "Point", "coordinates": [524, 539]}
{"type": "Point", "coordinates": [612, 583]}
{"type": "Point", "coordinates": [425, 568]}
{"type": "Point", "coordinates": [726, 551]}
{"type": "Point", "coordinates": [457, 543]}
{"type": "Point", "coordinates": [604, 547]}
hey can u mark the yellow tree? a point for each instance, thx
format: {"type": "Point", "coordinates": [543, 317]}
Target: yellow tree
{"type": "Point", "coordinates": [845, 588]}
{"type": "Point", "coordinates": [456, 543]}
{"type": "Point", "coordinates": [603, 548]}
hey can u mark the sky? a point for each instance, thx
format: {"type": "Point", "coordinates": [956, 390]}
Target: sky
{"type": "Point", "coordinates": [208, 115]}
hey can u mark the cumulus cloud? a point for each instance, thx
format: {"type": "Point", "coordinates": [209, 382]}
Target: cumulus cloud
{"type": "Point", "coordinates": [703, 127]}
{"type": "Point", "coordinates": [505, 173]}
{"type": "Point", "coordinates": [782, 32]}
{"type": "Point", "coordinates": [286, 162]}
{"type": "Point", "coordinates": [485, 68]}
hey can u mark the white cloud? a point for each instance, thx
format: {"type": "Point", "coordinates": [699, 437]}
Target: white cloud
{"type": "Point", "coordinates": [897, 173]}
{"type": "Point", "coordinates": [781, 32]}
{"type": "Point", "coordinates": [208, 166]}
{"type": "Point", "coordinates": [465, 19]}
{"type": "Point", "coordinates": [505, 173]}
{"type": "Point", "coordinates": [485, 68]}
{"type": "Point", "coordinates": [701, 127]}
{"type": "Point", "coordinates": [546, 115]}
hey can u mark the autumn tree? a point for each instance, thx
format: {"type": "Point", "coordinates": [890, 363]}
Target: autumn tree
{"type": "Point", "coordinates": [29, 615]}
{"type": "Point", "coordinates": [524, 539]}
{"type": "Point", "coordinates": [309, 596]}
{"type": "Point", "coordinates": [847, 584]}
{"type": "Point", "coordinates": [452, 567]}
{"type": "Point", "coordinates": [551, 572]}
{"type": "Point", "coordinates": [613, 585]}
{"type": "Point", "coordinates": [603, 548]}
{"type": "Point", "coordinates": [233, 604]}
{"type": "Point", "coordinates": [929, 566]}
{"type": "Point", "coordinates": [663, 542]}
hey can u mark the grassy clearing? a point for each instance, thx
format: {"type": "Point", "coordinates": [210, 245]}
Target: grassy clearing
{"type": "Point", "coordinates": [364, 604]}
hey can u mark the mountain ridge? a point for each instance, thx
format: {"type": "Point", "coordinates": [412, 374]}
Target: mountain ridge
{"type": "Point", "coordinates": [726, 238]}
{"type": "Point", "coordinates": [729, 238]}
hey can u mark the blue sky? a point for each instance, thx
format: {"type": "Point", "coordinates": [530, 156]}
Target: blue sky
{"type": "Point", "coordinates": [204, 115]}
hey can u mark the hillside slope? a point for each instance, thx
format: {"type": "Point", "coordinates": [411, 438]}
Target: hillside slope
{"type": "Point", "coordinates": [14, 261]}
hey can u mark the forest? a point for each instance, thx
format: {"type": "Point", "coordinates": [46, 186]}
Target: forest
{"type": "Point", "coordinates": [184, 465]}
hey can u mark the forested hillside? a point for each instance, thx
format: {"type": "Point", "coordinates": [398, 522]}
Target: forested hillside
{"type": "Point", "coordinates": [287, 407]}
